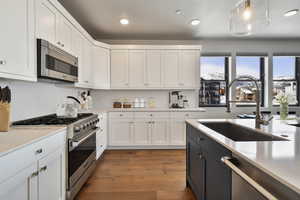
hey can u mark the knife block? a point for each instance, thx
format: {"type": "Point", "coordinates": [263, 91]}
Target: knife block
{"type": "Point", "coordinates": [4, 117]}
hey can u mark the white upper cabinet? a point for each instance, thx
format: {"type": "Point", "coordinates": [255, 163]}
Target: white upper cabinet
{"type": "Point", "coordinates": [101, 68]}
{"type": "Point", "coordinates": [47, 19]}
{"type": "Point", "coordinates": [189, 62]}
{"type": "Point", "coordinates": [76, 45]}
{"type": "Point", "coordinates": [136, 68]}
{"type": "Point", "coordinates": [87, 77]}
{"type": "Point", "coordinates": [119, 69]}
{"type": "Point", "coordinates": [64, 34]}
{"type": "Point", "coordinates": [153, 69]}
{"type": "Point", "coordinates": [17, 49]}
{"type": "Point", "coordinates": [171, 68]}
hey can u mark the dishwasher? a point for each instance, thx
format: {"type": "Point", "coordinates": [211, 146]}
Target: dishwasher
{"type": "Point", "coordinates": [251, 183]}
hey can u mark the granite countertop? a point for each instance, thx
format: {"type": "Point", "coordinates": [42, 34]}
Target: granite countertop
{"type": "Point", "coordinates": [20, 136]}
{"type": "Point", "coordinates": [279, 159]}
{"type": "Point", "coordinates": [146, 110]}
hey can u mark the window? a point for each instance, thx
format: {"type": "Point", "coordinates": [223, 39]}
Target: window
{"type": "Point", "coordinates": [285, 78]}
{"type": "Point", "coordinates": [249, 66]}
{"type": "Point", "coordinates": [213, 80]}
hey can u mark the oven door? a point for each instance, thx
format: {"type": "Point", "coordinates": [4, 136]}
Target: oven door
{"type": "Point", "coordinates": [82, 153]}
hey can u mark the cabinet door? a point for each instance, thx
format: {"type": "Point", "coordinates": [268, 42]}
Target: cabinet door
{"type": "Point", "coordinates": [119, 69]}
{"type": "Point", "coordinates": [47, 20]}
{"type": "Point", "coordinates": [76, 46]}
{"type": "Point", "coordinates": [52, 176]}
{"type": "Point", "coordinates": [178, 132]}
{"type": "Point", "coordinates": [159, 133]}
{"type": "Point", "coordinates": [17, 49]}
{"type": "Point", "coordinates": [189, 61]}
{"type": "Point", "coordinates": [87, 76]}
{"type": "Point", "coordinates": [171, 68]}
{"type": "Point", "coordinates": [101, 67]}
{"type": "Point", "coordinates": [153, 68]}
{"type": "Point", "coordinates": [22, 186]}
{"type": "Point", "coordinates": [196, 169]}
{"type": "Point", "coordinates": [142, 131]}
{"type": "Point", "coordinates": [120, 132]}
{"type": "Point", "coordinates": [136, 68]}
{"type": "Point", "coordinates": [64, 34]}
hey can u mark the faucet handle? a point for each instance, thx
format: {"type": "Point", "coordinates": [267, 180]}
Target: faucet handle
{"type": "Point", "coordinates": [265, 121]}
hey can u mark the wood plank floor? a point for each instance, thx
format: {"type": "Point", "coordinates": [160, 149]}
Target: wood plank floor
{"type": "Point", "coordinates": [138, 175]}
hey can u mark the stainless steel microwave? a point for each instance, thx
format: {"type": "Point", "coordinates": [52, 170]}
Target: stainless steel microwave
{"type": "Point", "coordinates": [55, 63]}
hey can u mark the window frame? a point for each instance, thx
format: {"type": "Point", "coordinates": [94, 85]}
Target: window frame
{"type": "Point", "coordinates": [296, 79]}
{"type": "Point", "coordinates": [226, 80]}
{"type": "Point", "coordinates": [261, 79]}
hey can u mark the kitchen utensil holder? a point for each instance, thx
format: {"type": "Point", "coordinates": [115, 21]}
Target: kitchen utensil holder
{"type": "Point", "coordinates": [4, 117]}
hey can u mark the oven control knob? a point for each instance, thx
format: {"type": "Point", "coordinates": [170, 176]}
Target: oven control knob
{"type": "Point", "coordinates": [77, 129]}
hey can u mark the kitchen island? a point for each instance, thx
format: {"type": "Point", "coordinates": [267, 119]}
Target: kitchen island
{"type": "Point", "coordinates": [276, 157]}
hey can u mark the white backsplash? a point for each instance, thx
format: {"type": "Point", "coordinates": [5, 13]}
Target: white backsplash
{"type": "Point", "coordinates": [35, 99]}
{"type": "Point", "coordinates": [103, 99]}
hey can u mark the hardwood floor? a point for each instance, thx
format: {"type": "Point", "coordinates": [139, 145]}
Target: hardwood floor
{"type": "Point", "coordinates": [138, 175]}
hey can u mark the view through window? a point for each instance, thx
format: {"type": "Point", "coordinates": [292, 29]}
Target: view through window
{"type": "Point", "coordinates": [245, 89]}
{"type": "Point", "coordinates": [285, 79]}
{"type": "Point", "coordinates": [214, 78]}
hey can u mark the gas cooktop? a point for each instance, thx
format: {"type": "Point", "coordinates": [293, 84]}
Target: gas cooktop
{"type": "Point", "coordinates": [52, 120]}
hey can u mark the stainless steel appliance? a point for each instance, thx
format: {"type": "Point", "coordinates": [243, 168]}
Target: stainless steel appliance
{"type": "Point", "coordinates": [251, 183]}
{"type": "Point", "coordinates": [176, 99]}
{"type": "Point", "coordinates": [55, 63]}
{"type": "Point", "coordinates": [81, 143]}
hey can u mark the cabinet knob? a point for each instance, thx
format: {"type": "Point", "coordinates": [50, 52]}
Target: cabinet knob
{"type": "Point", "coordinates": [43, 168]}
{"type": "Point", "coordinates": [58, 43]}
{"type": "Point", "coordinates": [200, 156]}
{"type": "Point", "coordinates": [39, 151]}
{"type": "Point", "coordinates": [86, 81]}
{"type": "Point", "coordinates": [62, 45]}
{"type": "Point", "coordinates": [2, 62]}
{"type": "Point", "coordinates": [34, 174]}
{"type": "Point", "coordinates": [121, 115]}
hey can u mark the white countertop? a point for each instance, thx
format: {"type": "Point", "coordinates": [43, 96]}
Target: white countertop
{"type": "Point", "coordinates": [146, 110]}
{"type": "Point", "coordinates": [280, 159]}
{"type": "Point", "coordinates": [20, 136]}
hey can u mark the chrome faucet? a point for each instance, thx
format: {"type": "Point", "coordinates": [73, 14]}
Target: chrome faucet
{"type": "Point", "coordinates": [258, 118]}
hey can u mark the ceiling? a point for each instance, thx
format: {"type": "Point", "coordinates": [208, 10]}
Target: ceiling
{"type": "Point", "coordinates": [157, 20]}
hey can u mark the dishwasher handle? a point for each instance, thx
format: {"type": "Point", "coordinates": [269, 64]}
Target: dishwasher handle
{"type": "Point", "coordinates": [249, 180]}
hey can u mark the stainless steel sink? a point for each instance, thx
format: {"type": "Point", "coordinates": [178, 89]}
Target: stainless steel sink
{"type": "Point", "coordinates": [239, 133]}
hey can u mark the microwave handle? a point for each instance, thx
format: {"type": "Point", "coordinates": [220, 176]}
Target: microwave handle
{"type": "Point", "coordinates": [249, 180]}
{"type": "Point", "coordinates": [75, 143]}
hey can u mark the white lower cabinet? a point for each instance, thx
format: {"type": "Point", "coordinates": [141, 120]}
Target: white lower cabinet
{"type": "Point", "coordinates": [121, 132]}
{"type": "Point", "coordinates": [101, 135]}
{"type": "Point", "coordinates": [177, 132]}
{"type": "Point", "coordinates": [42, 179]}
{"type": "Point", "coordinates": [159, 132]}
{"type": "Point", "coordinates": [21, 186]}
{"type": "Point", "coordinates": [51, 180]}
{"type": "Point", "coordinates": [142, 131]}
{"type": "Point", "coordinates": [149, 129]}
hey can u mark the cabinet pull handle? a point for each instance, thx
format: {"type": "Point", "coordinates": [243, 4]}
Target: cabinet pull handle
{"type": "Point", "coordinates": [34, 174]}
{"type": "Point", "coordinates": [43, 168]}
{"type": "Point", "coordinates": [39, 151]}
{"type": "Point", "coordinates": [2, 62]}
{"type": "Point", "coordinates": [253, 183]}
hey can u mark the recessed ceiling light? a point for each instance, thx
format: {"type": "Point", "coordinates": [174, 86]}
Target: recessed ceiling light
{"type": "Point", "coordinates": [124, 21]}
{"type": "Point", "coordinates": [195, 22]}
{"type": "Point", "coordinates": [291, 12]}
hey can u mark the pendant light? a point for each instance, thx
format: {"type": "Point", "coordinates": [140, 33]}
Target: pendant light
{"type": "Point", "coordinates": [248, 16]}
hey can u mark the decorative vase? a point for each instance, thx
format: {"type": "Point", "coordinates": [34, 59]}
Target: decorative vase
{"type": "Point", "coordinates": [284, 111]}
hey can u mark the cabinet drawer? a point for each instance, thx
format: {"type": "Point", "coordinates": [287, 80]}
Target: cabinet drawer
{"type": "Point", "coordinates": [121, 115]}
{"type": "Point", "coordinates": [186, 115]}
{"type": "Point", "coordinates": [50, 144]}
{"type": "Point", "coordinates": [27, 155]}
{"type": "Point", "coordinates": [152, 115]}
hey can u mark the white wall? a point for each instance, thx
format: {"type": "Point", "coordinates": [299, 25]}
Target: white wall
{"type": "Point", "coordinates": [35, 99]}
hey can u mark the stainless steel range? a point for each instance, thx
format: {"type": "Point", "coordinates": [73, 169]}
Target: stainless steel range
{"type": "Point", "coordinates": [81, 151]}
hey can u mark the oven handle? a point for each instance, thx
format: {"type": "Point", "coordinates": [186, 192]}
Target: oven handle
{"type": "Point", "coordinates": [249, 180]}
{"type": "Point", "coordinates": [75, 143]}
